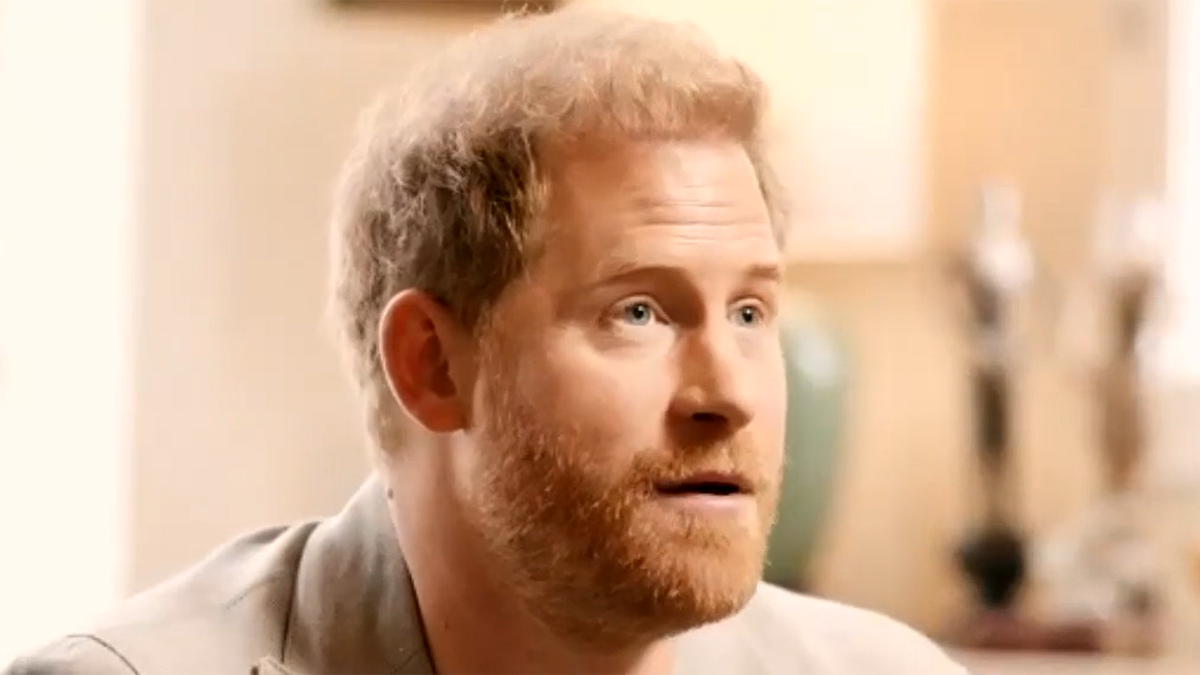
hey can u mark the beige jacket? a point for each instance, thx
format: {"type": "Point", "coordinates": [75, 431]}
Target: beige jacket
{"type": "Point", "coordinates": [334, 598]}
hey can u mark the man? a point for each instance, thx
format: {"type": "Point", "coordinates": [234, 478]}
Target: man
{"type": "Point", "coordinates": [557, 279]}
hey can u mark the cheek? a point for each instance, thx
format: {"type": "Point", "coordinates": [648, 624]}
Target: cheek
{"type": "Point", "coordinates": [607, 399]}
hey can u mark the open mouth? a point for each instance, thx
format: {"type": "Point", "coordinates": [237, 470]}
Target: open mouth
{"type": "Point", "coordinates": [707, 484]}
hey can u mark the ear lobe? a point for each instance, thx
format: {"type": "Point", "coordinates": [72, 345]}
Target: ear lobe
{"type": "Point", "coordinates": [417, 341]}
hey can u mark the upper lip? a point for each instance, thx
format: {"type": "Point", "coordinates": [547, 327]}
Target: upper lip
{"type": "Point", "coordinates": [717, 482]}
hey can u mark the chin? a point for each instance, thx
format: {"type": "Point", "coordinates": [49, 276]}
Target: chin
{"type": "Point", "coordinates": [694, 585]}
{"type": "Point", "coordinates": [654, 584]}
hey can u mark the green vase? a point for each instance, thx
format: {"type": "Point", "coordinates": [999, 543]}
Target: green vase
{"type": "Point", "coordinates": [817, 375]}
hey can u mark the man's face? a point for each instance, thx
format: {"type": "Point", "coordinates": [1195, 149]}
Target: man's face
{"type": "Point", "coordinates": [629, 419]}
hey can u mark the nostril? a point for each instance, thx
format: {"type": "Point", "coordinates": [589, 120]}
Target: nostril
{"type": "Point", "coordinates": [708, 417]}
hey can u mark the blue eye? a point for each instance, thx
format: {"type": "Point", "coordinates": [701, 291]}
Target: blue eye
{"type": "Point", "coordinates": [638, 313]}
{"type": "Point", "coordinates": [747, 315]}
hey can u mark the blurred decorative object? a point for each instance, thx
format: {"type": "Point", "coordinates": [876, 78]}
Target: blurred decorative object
{"type": "Point", "coordinates": [995, 270]}
{"type": "Point", "coordinates": [817, 368]}
{"type": "Point", "coordinates": [1104, 569]}
{"type": "Point", "coordinates": [1101, 573]}
{"type": "Point", "coordinates": [1131, 268]}
{"type": "Point", "coordinates": [997, 267]}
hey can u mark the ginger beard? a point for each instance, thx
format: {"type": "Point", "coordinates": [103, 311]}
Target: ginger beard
{"type": "Point", "coordinates": [592, 552]}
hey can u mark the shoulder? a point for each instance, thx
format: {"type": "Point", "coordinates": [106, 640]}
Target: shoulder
{"type": "Point", "coordinates": [780, 631]}
{"type": "Point", "coordinates": [863, 639]}
{"type": "Point", "coordinates": [71, 655]}
{"type": "Point", "coordinates": [219, 616]}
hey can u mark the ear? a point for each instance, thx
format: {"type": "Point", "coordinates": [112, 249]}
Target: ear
{"type": "Point", "coordinates": [420, 347]}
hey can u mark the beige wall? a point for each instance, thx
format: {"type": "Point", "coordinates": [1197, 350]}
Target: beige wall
{"type": "Point", "coordinates": [1183, 176]}
{"type": "Point", "coordinates": [164, 382]}
{"type": "Point", "coordinates": [847, 83]}
{"type": "Point", "coordinates": [67, 92]}
{"type": "Point", "coordinates": [242, 416]}
{"type": "Point", "coordinates": [1065, 98]}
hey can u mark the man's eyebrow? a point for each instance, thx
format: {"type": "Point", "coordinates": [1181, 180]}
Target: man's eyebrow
{"type": "Point", "coordinates": [765, 272]}
{"type": "Point", "coordinates": [617, 268]}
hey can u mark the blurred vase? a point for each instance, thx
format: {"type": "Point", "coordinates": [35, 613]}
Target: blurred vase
{"type": "Point", "coordinates": [816, 363]}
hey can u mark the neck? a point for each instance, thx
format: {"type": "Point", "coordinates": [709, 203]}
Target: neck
{"type": "Point", "coordinates": [474, 623]}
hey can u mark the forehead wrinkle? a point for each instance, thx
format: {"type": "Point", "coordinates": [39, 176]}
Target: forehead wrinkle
{"type": "Point", "coordinates": [683, 224]}
{"type": "Point", "coordinates": [741, 254]}
{"type": "Point", "coordinates": [709, 216]}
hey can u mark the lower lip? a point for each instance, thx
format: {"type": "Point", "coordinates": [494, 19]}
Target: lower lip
{"type": "Point", "coordinates": [709, 504]}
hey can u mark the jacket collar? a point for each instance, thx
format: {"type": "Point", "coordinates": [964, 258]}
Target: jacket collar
{"type": "Point", "coordinates": [354, 611]}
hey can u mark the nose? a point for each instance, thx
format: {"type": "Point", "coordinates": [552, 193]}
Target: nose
{"type": "Point", "coordinates": [713, 398]}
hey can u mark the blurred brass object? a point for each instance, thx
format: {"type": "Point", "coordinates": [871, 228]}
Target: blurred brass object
{"type": "Point", "coordinates": [1132, 280]}
{"type": "Point", "coordinates": [1122, 433]}
{"type": "Point", "coordinates": [1121, 426]}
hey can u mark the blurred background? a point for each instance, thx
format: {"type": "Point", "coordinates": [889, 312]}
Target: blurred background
{"type": "Point", "coordinates": [165, 178]}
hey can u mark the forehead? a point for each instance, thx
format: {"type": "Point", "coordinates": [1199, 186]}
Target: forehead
{"type": "Point", "coordinates": [693, 204]}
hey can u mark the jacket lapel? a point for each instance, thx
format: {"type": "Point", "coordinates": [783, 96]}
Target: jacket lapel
{"type": "Point", "coordinates": [269, 666]}
{"type": "Point", "coordinates": [354, 610]}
